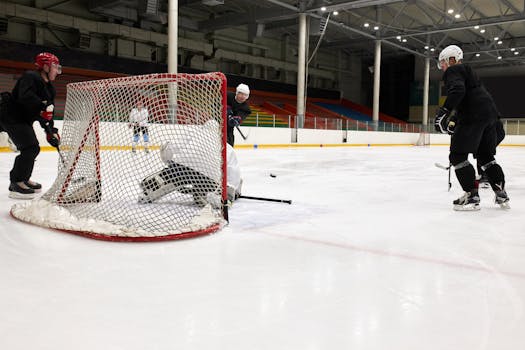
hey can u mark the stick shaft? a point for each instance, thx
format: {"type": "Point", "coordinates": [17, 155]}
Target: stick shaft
{"type": "Point", "coordinates": [267, 199]}
{"type": "Point", "coordinates": [240, 132]}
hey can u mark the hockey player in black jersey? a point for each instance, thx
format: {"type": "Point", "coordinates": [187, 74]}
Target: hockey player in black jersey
{"type": "Point", "coordinates": [473, 130]}
{"type": "Point", "coordinates": [32, 100]}
{"type": "Point", "coordinates": [238, 109]}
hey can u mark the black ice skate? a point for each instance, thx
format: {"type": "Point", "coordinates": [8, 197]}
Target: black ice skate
{"type": "Point", "coordinates": [468, 202]}
{"type": "Point", "coordinates": [33, 185]}
{"type": "Point", "coordinates": [17, 192]}
{"type": "Point", "coordinates": [502, 199]}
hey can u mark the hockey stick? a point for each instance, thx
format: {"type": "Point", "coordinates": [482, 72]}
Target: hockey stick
{"type": "Point", "coordinates": [73, 181]}
{"type": "Point", "coordinates": [441, 166]}
{"type": "Point", "coordinates": [267, 199]}
{"type": "Point", "coordinates": [240, 132]}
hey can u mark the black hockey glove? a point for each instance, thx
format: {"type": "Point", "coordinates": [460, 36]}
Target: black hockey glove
{"type": "Point", "coordinates": [441, 120]}
{"type": "Point", "coordinates": [234, 120]}
{"type": "Point", "coordinates": [53, 138]}
{"type": "Point", "coordinates": [47, 125]}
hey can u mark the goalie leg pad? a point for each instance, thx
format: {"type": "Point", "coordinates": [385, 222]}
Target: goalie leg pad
{"type": "Point", "coordinates": [155, 187]}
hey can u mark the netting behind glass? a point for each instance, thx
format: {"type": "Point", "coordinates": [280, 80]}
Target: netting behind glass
{"type": "Point", "coordinates": [123, 179]}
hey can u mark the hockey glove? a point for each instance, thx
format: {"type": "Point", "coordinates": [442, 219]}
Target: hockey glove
{"type": "Point", "coordinates": [234, 120]}
{"type": "Point", "coordinates": [441, 120]}
{"type": "Point", "coordinates": [451, 125]}
{"type": "Point", "coordinates": [53, 138]}
{"type": "Point", "coordinates": [48, 113]}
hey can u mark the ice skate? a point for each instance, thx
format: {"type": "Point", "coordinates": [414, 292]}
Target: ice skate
{"type": "Point", "coordinates": [18, 192]}
{"type": "Point", "coordinates": [502, 199]}
{"type": "Point", "coordinates": [33, 185]}
{"type": "Point", "coordinates": [484, 181]}
{"type": "Point", "coordinates": [468, 202]}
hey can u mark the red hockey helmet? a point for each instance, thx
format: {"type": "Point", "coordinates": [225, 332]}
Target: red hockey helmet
{"type": "Point", "coordinates": [44, 58]}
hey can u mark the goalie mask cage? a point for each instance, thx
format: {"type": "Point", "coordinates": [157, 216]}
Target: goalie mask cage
{"type": "Point", "coordinates": [100, 181]}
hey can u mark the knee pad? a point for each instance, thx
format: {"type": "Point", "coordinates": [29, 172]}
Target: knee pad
{"type": "Point", "coordinates": [154, 187]}
{"type": "Point", "coordinates": [487, 165]}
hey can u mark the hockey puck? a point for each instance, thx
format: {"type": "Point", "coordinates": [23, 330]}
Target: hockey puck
{"type": "Point", "coordinates": [273, 175]}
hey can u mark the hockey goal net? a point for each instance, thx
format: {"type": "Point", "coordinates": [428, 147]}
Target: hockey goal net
{"type": "Point", "coordinates": [114, 183]}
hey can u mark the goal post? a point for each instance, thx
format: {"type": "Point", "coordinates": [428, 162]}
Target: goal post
{"type": "Point", "coordinates": [115, 180]}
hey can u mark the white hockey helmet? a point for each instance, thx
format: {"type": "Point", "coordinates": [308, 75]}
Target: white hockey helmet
{"type": "Point", "coordinates": [243, 88]}
{"type": "Point", "coordinates": [448, 52]}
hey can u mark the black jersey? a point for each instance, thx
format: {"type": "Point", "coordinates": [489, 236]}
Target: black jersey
{"type": "Point", "coordinates": [238, 109]}
{"type": "Point", "coordinates": [30, 96]}
{"type": "Point", "coordinates": [467, 95]}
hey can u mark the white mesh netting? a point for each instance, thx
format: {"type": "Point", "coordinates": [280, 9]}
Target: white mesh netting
{"type": "Point", "coordinates": [113, 183]}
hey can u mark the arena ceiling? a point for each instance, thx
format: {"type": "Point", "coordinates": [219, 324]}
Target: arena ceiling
{"type": "Point", "coordinates": [491, 32]}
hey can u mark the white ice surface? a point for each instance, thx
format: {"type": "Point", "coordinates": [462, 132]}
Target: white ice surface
{"type": "Point", "coordinates": [370, 255]}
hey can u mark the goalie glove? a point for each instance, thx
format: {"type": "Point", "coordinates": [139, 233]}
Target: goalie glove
{"type": "Point", "coordinates": [441, 120]}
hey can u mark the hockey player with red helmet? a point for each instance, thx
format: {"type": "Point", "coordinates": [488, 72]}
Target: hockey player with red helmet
{"type": "Point", "coordinates": [32, 99]}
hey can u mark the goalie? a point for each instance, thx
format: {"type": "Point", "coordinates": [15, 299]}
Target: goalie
{"type": "Point", "coordinates": [188, 171]}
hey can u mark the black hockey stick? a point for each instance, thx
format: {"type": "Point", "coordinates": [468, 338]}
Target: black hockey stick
{"type": "Point", "coordinates": [240, 132]}
{"type": "Point", "coordinates": [441, 166]}
{"type": "Point", "coordinates": [267, 199]}
{"type": "Point", "coordinates": [73, 181]}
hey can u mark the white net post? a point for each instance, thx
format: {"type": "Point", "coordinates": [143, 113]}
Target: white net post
{"type": "Point", "coordinates": [104, 190]}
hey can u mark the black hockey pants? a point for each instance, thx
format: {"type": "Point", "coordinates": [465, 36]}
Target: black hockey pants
{"type": "Point", "coordinates": [24, 138]}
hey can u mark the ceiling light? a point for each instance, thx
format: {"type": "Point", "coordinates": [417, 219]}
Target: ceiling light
{"type": "Point", "coordinates": [450, 11]}
{"type": "Point", "coordinates": [323, 9]}
{"type": "Point", "coordinates": [516, 53]}
{"type": "Point", "coordinates": [404, 40]}
{"type": "Point", "coordinates": [426, 47]}
{"type": "Point", "coordinates": [457, 15]}
{"type": "Point", "coordinates": [432, 49]}
{"type": "Point", "coordinates": [366, 25]}
{"type": "Point", "coordinates": [398, 37]}
{"type": "Point", "coordinates": [376, 28]}
{"type": "Point", "coordinates": [335, 13]}
{"type": "Point", "coordinates": [477, 55]}
{"type": "Point", "coordinates": [496, 38]}
{"type": "Point", "coordinates": [512, 49]}
{"type": "Point", "coordinates": [499, 57]}
{"type": "Point", "coordinates": [482, 31]}
{"type": "Point", "coordinates": [476, 27]}
{"type": "Point", "coordinates": [500, 42]}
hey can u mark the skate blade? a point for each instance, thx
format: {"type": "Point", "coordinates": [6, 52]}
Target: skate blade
{"type": "Point", "coordinates": [504, 205]}
{"type": "Point", "coordinates": [484, 185]}
{"type": "Point", "coordinates": [18, 195]}
{"type": "Point", "coordinates": [468, 207]}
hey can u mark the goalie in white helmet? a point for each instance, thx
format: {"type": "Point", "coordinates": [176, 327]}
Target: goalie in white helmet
{"type": "Point", "coordinates": [188, 170]}
{"type": "Point", "coordinates": [474, 129]}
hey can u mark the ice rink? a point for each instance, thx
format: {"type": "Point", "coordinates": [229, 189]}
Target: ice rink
{"type": "Point", "coordinates": [370, 255]}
